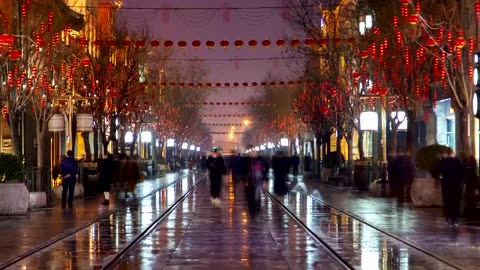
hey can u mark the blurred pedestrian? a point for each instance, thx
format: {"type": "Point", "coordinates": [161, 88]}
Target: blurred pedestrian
{"type": "Point", "coordinates": [307, 159]}
{"type": "Point", "coordinates": [471, 185]}
{"type": "Point", "coordinates": [452, 173]}
{"type": "Point", "coordinates": [235, 167]}
{"type": "Point", "coordinates": [401, 173]}
{"type": "Point", "coordinates": [130, 175]}
{"type": "Point", "coordinates": [217, 169]}
{"type": "Point", "coordinates": [281, 167]}
{"type": "Point", "coordinates": [255, 175]}
{"type": "Point", "coordinates": [68, 168]}
{"type": "Point", "coordinates": [295, 163]}
{"type": "Point", "coordinates": [105, 166]}
{"type": "Point", "coordinates": [203, 163]}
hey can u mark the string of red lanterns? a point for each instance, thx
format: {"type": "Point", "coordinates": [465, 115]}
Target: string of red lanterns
{"type": "Point", "coordinates": [231, 103]}
{"type": "Point", "coordinates": [224, 125]}
{"type": "Point", "coordinates": [234, 84]}
{"type": "Point", "coordinates": [219, 132]}
{"type": "Point", "coordinates": [225, 115]}
{"type": "Point", "coordinates": [224, 43]}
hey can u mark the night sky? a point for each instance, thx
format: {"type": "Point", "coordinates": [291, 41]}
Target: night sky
{"type": "Point", "coordinates": [244, 24]}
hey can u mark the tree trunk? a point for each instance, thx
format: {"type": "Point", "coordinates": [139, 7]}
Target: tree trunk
{"type": "Point", "coordinates": [86, 142]}
{"type": "Point", "coordinates": [349, 170]}
{"type": "Point", "coordinates": [392, 152]}
{"type": "Point", "coordinates": [15, 122]}
{"type": "Point", "coordinates": [361, 150]}
{"type": "Point", "coordinates": [411, 115]}
{"type": "Point", "coordinates": [121, 140]}
{"type": "Point", "coordinates": [134, 142]}
{"type": "Point", "coordinates": [462, 141]}
{"type": "Point", "coordinates": [95, 143]}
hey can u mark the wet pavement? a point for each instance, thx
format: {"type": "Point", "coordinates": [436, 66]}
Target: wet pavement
{"type": "Point", "coordinates": [423, 227]}
{"type": "Point", "coordinates": [21, 234]}
{"type": "Point", "coordinates": [201, 235]}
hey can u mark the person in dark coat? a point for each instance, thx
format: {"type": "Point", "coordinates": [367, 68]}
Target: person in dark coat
{"type": "Point", "coordinates": [308, 159]}
{"type": "Point", "coordinates": [452, 173]}
{"type": "Point", "coordinates": [471, 185]}
{"type": "Point", "coordinates": [203, 163]}
{"type": "Point", "coordinates": [281, 167]}
{"type": "Point", "coordinates": [235, 167]}
{"type": "Point", "coordinates": [105, 166]}
{"type": "Point", "coordinates": [68, 168]}
{"type": "Point", "coordinates": [295, 163]}
{"type": "Point", "coordinates": [217, 169]}
{"type": "Point", "coordinates": [401, 172]}
{"type": "Point", "coordinates": [255, 175]}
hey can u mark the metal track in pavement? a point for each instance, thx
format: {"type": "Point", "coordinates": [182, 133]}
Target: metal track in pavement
{"type": "Point", "coordinates": [333, 254]}
{"type": "Point", "coordinates": [120, 255]}
{"type": "Point", "coordinates": [398, 238]}
{"type": "Point", "coordinates": [47, 244]}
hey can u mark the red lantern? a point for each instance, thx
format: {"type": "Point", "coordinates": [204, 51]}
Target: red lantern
{"type": "Point", "coordinates": [266, 43]}
{"type": "Point", "coordinates": [182, 44]}
{"type": "Point", "coordinates": [413, 19]}
{"type": "Point", "coordinates": [224, 43]}
{"type": "Point", "coordinates": [252, 43]}
{"type": "Point", "coordinates": [295, 43]}
{"type": "Point", "coordinates": [112, 43]}
{"type": "Point", "coordinates": [126, 43]}
{"type": "Point", "coordinates": [168, 44]}
{"type": "Point", "coordinates": [218, 84]}
{"type": "Point", "coordinates": [238, 43]}
{"type": "Point", "coordinates": [309, 42]}
{"type": "Point", "coordinates": [280, 43]}
{"type": "Point", "coordinates": [227, 84]}
{"type": "Point", "coordinates": [5, 111]}
{"type": "Point", "coordinates": [210, 44]}
{"type": "Point", "coordinates": [364, 54]}
{"type": "Point", "coordinates": [323, 41]}
{"type": "Point", "coordinates": [430, 42]}
{"type": "Point", "coordinates": [196, 43]}
{"type": "Point", "coordinates": [15, 55]}
{"type": "Point", "coordinates": [263, 83]}
{"type": "Point", "coordinates": [323, 110]}
{"type": "Point", "coordinates": [140, 43]}
{"type": "Point", "coordinates": [86, 62]}
{"type": "Point", "coordinates": [98, 42]}
{"type": "Point", "coordinates": [356, 75]}
{"type": "Point", "coordinates": [351, 40]}
{"type": "Point", "coordinates": [155, 43]}
{"type": "Point", "coordinates": [7, 39]}
{"type": "Point", "coordinates": [236, 84]}
{"type": "Point", "coordinates": [254, 83]}
{"type": "Point", "coordinates": [405, 2]}
{"type": "Point", "coordinates": [337, 41]}
{"type": "Point", "coordinates": [460, 42]}
{"type": "Point", "coordinates": [245, 84]}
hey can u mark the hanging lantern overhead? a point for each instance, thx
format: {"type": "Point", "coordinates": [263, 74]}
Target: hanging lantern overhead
{"type": "Point", "coordinates": [252, 43]}
{"type": "Point", "coordinates": [154, 43]}
{"type": "Point", "coordinates": [112, 43]}
{"type": "Point", "coordinates": [127, 43]}
{"type": "Point", "coordinates": [238, 43]}
{"type": "Point", "coordinates": [86, 62]}
{"type": "Point", "coordinates": [266, 43]}
{"type": "Point", "coordinates": [182, 44]}
{"type": "Point", "coordinates": [196, 43]}
{"type": "Point", "coordinates": [140, 43]}
{"type": "Point", "coordinates": [430, 42]}
{"type": "Point", "coordinates": [295, 43]}
{"type": "Point", "coordinates": [309, 42]}
{"type": "Point", "coordinates": [460, 42]}
{"type": "Point", "coordinates": [280, 43]}
{"type": "Point", "coordinates": [98, 43]}
{"type": "Point", "coordinates": [224, 43]}
{"type": "Point", "coordinates": [413, 19]}
{"type": "Point", "coordinates": [168, 44]}
{"type": "Point", "coordinates": [15, 55]}
{"type": "Point", "coordinates": [210, 44]}
{"type": "Point", "coordinates": [7, 39]}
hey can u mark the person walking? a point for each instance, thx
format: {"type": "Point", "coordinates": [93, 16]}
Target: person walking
{"type": "Point", "coordinates": [295, 163]}
{"type": "Point", "coordinates": [401, 172]}
{"type": "Point", "coordinates": [254, 174]}
{"type": "Point", "coordinates": [217, 169]}
{"type": "Point", "coordinates": [203, 163]}
{"type": "Point", "coordinates": [68, 168]}
{"type": "Point", "coordinates": [105, 166]}
{"type": "Point", "coordinates": [452, 173]}
{"type": "Point", "coordinates": [281, 167]}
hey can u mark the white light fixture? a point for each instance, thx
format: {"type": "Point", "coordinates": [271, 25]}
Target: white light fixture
{"type": "Point", "coordinates": [402, 117]}
{"type": "Point", "coordinates": [257, 148]}
{"type": "Point", "coordinates": [157, 143]}
{"type": "Point", "coordinates": [170, 142]}
{"type": "Point", "coordinates": [369, 121]}
{"type": "Point", "coordinates": [192, 147]}
{"type": "Point", "coordinates": [284, 142]}
{"type": "Point", "coordinates": [184, 145]}
{"type": "Point", "coordinates": [129, 137]}
{"type": "Point", "coordinates": [475, 103]}
{"type": "Point", "coordinates": [198, 148]}
{"type": "Point", "coordinates": [269, 145]}
{"type": "Point", "coordinates": [146, 136]}
{"type": "Point", "coordinates": [262, 147]}
{"type": "Point", "coordinates": [368, 21]}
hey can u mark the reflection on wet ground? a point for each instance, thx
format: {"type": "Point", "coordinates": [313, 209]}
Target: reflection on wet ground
{"type": "Point", "coordinates": [200, 235]}
{"type": "Point", "coordinates": [91, 247]}
{"type": "Point", "coordinates": [424, 227]}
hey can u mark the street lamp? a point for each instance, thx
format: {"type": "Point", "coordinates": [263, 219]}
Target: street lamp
{"type": "Point", "coordinates": [368, 123]}
{"type": "Point", "coordinates": [365, 20]}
